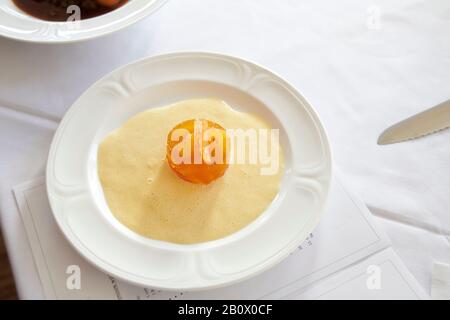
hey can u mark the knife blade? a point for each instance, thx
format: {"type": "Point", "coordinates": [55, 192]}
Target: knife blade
{"type": "Point", "coordinates": [427, 122]}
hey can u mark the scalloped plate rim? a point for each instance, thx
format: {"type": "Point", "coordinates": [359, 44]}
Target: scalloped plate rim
{"type": "Point", "coordinates": [63, 40]}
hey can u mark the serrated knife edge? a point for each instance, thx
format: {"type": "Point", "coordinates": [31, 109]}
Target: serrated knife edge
{"type": "Point", "coordinates": [427, 122]}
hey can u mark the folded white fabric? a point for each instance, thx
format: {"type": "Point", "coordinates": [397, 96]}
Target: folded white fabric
{"type": "Point", "coordinates": [440, 285]}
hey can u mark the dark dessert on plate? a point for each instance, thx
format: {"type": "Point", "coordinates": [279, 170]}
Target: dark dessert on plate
{"type": "Point", "coordinates": [62, 10]}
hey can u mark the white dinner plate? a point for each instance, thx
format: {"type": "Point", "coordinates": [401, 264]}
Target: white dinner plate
{"type": "Point", "coordinates": [16, 24]}
{"type": "Point", "coordinates": [80, 209]}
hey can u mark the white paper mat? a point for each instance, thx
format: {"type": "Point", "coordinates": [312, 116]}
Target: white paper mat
{"type": "Point", "coordinates": [346, 236]}
{"type": "Point", "coordinates": [382, 276]}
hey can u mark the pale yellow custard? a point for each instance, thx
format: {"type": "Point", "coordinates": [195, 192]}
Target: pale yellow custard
{"type": "Point", "coordinates": [145, 195]}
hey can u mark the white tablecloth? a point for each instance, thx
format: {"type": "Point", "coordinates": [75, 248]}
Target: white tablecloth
{"type": "Point", "coordinates": [363, 64]}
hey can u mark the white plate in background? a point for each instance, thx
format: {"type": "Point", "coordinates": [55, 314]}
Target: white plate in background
{"type": "Point", "coordinates": [77, 199]}
{"type": "Point", "coordinates": [18, 25]}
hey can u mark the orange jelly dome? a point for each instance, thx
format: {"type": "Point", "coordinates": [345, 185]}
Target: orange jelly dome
{"type": "Point", "coordinates": [197, 150]}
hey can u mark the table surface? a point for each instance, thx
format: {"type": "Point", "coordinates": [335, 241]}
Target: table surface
{"type": "Point", "coordinates": [363, 65]}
